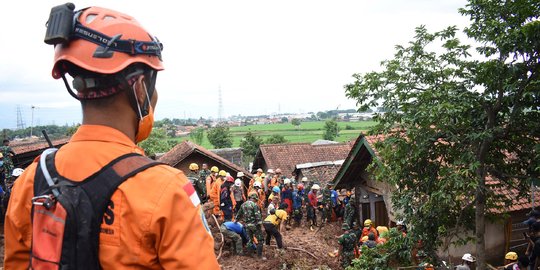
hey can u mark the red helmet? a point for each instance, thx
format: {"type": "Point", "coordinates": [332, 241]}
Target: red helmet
{"type": "Point", "coordinates": [300, 186]}
{"type": "Point", "coordinates": [120, 29]}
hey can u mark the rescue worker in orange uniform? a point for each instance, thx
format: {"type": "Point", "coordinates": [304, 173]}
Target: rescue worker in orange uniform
{"type": "Point", "coordinates": [152, 222]}
{"type": "Point", "coordinates": [255, 177]}
{"type": "Point", "coordinates": [275, 181]}
{"type": "Point", "coordinates": [257, 188]}
{"type": "Point", "coordinates": [211, 179]}
{"type": "Point", "coordinates": [215, 192]}
{"type": "Point", "coordinates": [369, 228]}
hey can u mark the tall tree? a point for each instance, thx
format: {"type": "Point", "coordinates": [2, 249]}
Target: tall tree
{"type": "Point", "coordinates": [296, 122]}
{"type": "Point", "coordinates": [509, 34]}
{"type": "Point", "coordinates": [331, 130]}
{"type": "Point", "coordinates": [220, 137]}
{"type": "Point", "coordinates": [197, 135]}
{"type": "Point", "coordinates": [250, 144]}
{"type": "Point", "coordinates": [452, 122]}
{"type": "Point", "coordinates": [275, 139]}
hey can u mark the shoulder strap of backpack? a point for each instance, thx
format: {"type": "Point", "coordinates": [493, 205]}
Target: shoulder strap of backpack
{"type": "Point", "coordinates": [99, 186]}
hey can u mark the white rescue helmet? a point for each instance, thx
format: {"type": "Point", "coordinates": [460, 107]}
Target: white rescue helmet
{"type": "Point", "coordinates": [316, 187]}
{"type": "Point", "coordinates": [16, 172]}
{"type": "Point", "coordinates": [304, 179]}
{"type": "Point", "coordinates": [238, 182]}
{"type": "Point", "coordinates": [468, 257]}
{"type": "Point", "coordinates": [257, 184]}
{"type": "Point", "coordinates": [287, 181]}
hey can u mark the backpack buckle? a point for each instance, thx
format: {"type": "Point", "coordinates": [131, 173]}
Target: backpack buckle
{"type": "Point", "coordinates": [46, 201]}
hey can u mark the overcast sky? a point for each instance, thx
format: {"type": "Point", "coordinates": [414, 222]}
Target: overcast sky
{"type": "Point", "coordinates": [266, 56]}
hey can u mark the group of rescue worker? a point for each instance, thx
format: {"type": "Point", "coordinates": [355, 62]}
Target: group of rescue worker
{"type": "Point", "coordinates": [268, 201]}
{"type": "Point", "coordinates": [274, 203]}
{"type": "Point", "coordinates": [354, 236]}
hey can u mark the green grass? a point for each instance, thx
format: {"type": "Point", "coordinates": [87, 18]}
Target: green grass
{"type": "Point", "coordinates": [306, 132]}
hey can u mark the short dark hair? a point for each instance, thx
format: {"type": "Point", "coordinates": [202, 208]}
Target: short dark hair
{"type": "Point", "coordinates": [5, 141]}
{"type": "Point", "coordinates": [283, 206]}
{"type": "Point", "coordinates": [371, 237]}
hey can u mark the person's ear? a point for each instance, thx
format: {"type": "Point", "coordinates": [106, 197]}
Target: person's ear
{"type": "Point", "coordinates": [140, 89]}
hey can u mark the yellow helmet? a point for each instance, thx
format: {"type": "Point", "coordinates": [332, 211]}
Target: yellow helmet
{"type": "Point", "coordinates": [222, 173]}
{"type": "Point", "coordinates": [193, 166]}
{"type": "Point", "coordinates": [511, 256]}
{"type": "Point", "coordinates": [367, 223]}
{"type": "Point", "coordinates": [214, 169]}
{"type": "Point", "coordinates": [382, 229]}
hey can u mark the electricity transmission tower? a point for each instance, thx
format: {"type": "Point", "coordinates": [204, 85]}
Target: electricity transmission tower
{"type": "Point", "coordinates": [220, 107]}
{"type": "Point", "coordinates": [20, 121]}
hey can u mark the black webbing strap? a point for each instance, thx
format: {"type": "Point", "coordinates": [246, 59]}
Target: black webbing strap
{"type": "Point", "coordinates": [129, 46]}
{"type": "Point", "coordinates": [100, 186]}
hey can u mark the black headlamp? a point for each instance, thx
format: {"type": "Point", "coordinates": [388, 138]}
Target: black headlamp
{"type": "Point", "coordinates": [60, 24]}
{"type": "Point", "coordinates": [63, 25]}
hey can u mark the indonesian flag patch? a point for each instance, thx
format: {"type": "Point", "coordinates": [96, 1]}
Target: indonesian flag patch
{"type": "Point", "coordinates": [188, 188]}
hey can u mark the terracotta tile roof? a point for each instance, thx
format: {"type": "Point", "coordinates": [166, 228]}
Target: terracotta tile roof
{"type": "Point", "coordinates": [25, 147]}
{"type": "Point", "coordinates": [323, 174]}
{"type": "Point", "coordinates": [519, 202]}
{"type": "Point", "coordinates": [286, 156]}
{"type": "Point", "coordinates": [182, 150]}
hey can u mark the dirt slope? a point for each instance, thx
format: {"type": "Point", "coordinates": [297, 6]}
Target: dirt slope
{"type": "Point", "coordinates": [319, 242]}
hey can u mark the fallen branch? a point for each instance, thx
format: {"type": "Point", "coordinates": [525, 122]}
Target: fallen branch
{"type": "Point", "coordinates": [222, 237]}
{"type": "Point", "coordinates": [298, 249]}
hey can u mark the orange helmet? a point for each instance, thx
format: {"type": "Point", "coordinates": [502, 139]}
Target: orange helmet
{"type": "Point", "coordinates": [106, 41]}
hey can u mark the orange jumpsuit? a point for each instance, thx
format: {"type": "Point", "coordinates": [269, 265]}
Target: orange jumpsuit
{"type": "Point", "coordinates": [366, 231]}
{"type": "Point", "coordinates": [155, 224]}
{"type": "Point", "coordinates": [262, 198]}
{"type": "Point", "coordinates": [273, 182]}
{"type": "Point", "coordinates": [209, 182]}
{"type": "Point", "coordinates": [214, 195]}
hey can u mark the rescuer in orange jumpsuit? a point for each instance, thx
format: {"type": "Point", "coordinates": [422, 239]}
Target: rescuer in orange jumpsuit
{"type": "Point", "coordinates": [152, 221]}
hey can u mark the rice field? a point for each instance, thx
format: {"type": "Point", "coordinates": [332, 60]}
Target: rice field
{"type": "Point", "coordinates": [306, 132]}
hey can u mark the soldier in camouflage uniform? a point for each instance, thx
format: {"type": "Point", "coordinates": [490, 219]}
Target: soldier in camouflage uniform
{"type": "Point", "coordinates": [350, 212]}
{"type": "Point", "coordinates": [326, 203]}
{"type": "Point", "coordinates": [198, 184]}
{"type": "Point", "coordinates": [203, 174]}
{"type": "Point", "coordinates": [347, 241]}
{"type": "Point", "coordinates": [251, 213]}
{"type": "Point", "coordinates": [8, 163]}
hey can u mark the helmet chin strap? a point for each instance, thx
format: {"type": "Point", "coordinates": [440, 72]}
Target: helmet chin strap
{"type": "Point", "coordinates": [69, 87]}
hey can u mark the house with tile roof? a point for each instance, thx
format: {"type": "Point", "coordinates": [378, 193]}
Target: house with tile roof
{"type": "Point", "coordinates": [287, 156]}
{"type": "Point", "coordinates": [27, 151]}
{"type": "Point", "coordinates": [374, 200]}
{"type": "Point", "coordinates": [188, 152]}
